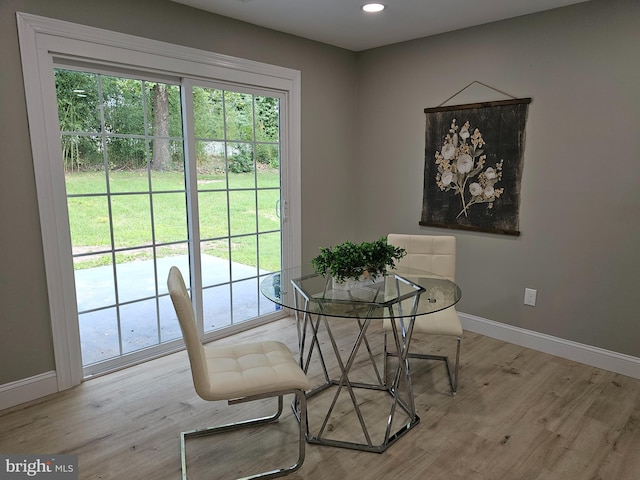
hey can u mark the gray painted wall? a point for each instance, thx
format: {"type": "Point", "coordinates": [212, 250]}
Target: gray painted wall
{"type": "Point", "coordinates": [363, 130]}
{"type": "Point", "coordinates": [580, 197]}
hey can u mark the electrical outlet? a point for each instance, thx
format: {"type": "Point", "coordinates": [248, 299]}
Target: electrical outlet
{"type": "Point", "coordinates": [530, 296]}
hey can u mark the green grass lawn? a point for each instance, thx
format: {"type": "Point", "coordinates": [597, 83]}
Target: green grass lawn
{"type": "Point", "coordinates": [153, 211]}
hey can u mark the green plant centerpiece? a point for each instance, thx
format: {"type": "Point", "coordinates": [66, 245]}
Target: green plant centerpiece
{"type": "Point", "coordinates": [357, 262]}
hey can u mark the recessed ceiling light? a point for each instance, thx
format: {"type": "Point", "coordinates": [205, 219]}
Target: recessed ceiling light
{"type": "Point", "coordinates": [373, 7]}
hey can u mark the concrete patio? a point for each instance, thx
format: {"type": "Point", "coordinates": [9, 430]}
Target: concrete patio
{"type": "Point", "coordinates": [143, 323]}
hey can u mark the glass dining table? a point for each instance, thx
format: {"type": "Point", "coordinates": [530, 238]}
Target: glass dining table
{"type": "Point", "coordinates": [396, 298]}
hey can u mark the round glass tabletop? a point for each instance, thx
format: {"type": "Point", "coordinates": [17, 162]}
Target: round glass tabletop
{"type": "Point", "coordinates": [402, 292]}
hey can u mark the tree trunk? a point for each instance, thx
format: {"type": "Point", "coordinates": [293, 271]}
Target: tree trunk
{"type": "Point", "coordinates": [161, 159]}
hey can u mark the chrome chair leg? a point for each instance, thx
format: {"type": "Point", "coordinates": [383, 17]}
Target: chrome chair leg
{"type": "Point", "coordinates": [453, 375]}
{"type": "Point", "coordinates": [301, 416]}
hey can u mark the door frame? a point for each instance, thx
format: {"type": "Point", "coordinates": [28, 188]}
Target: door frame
{"type": "Point", "coordinates": [42, 40]}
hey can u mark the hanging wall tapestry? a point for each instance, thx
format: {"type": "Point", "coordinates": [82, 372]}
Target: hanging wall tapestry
{"type": "Point", "coordinates": [473, 166]}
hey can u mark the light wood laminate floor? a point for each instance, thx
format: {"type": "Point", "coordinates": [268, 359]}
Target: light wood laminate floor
{"type": "Point", "coordinates": [519, 414]}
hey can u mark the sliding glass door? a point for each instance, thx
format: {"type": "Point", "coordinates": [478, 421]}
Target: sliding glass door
{"type": "Point", "coordinates": [237, 171]}
{"type": "Point", "coordinates": [161, 172]}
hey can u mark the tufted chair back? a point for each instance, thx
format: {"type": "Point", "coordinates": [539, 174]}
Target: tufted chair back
{"type": "Point", "coordinates": [431, 253]}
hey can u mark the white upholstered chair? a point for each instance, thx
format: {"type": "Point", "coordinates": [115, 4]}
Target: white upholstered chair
{"type": "Point", "coordinates": [435, 254]}
{"type": "Point", "coordinates": [239, 373]}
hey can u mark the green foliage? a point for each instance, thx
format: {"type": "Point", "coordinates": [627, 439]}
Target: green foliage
{"type": "Point", "coordinates": [349, 260]}
{"type": "Point", "coordinates": [269, 155]}
{"type": "Point", "coordinates": [268, 130]}
{"type": "Point", "coordinates": [241, 161]}
{"type": "Point", "coordinates": [82, 96]}
{"type": "Point", "coordinates": [208, 112]}
{"type": "Point", "coordinates": [238, 116]}
{"type": "Point", "coordinates": [268, 119]}
{"type": "Point", "coordinates": [78, 103]}
{"type": "Point", "coordinates": [117, 121]}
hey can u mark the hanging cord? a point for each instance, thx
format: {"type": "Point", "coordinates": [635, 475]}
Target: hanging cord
{"type": "Point", "coordinates": [476, 81]}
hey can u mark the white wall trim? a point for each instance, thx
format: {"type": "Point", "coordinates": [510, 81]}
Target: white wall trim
{"type": "Point", "coordinates": [27, 389]}
{"type": "Point", "coordinates": [578, 352]}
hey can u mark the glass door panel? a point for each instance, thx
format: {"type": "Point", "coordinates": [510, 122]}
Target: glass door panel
{"type": "Point", "coordinates": [237, 138]}
{"type": "Point", "coordinates": [122, 148]}
{"type": "Point", "coordinates": [214, 220]}
{"type": "Point", "coordinates": [242, 212]}
{"type": "Point", "coordinates": [244, 257]}
{"type": "Point", "coordinates": [217, 313]}
{"type": "Point", "coordinates": [269, 248]}
{"type": "Point", "coordinates": [245, 296]}
{"type": "Point", "coordinates": [124, 161]}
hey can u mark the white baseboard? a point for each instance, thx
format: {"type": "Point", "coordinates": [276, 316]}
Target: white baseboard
{"type": "Point", "coordinates": [578, 352]}
{"type": "Point", "coordinates": [28, 389]}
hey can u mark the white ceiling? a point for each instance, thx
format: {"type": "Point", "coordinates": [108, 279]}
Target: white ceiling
{"type": "Point", "coordinates": [342, 23]}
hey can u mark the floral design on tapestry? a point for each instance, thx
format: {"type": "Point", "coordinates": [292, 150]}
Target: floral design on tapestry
{"type": "Point", "coordinates": [461, 168]}
{"type": "Point", "coordinates": [473, 161]}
